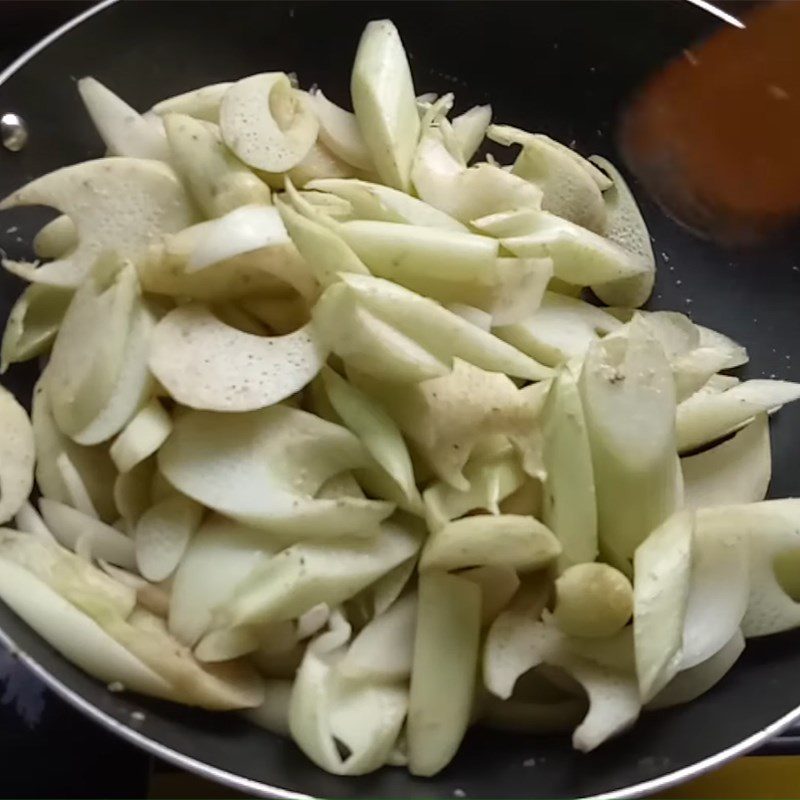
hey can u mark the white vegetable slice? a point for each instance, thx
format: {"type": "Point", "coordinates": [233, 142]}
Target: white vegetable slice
{"type": "Point", "coordinates": [705, 417]}
{"type": "Point", "coordinates": [441, 332]}
{"type": "Point", "coordinates": [217, 180]}
{"type": "Point", "coordinates": [265, 467]}
{"type": "Point", "coordinates": [28, 520]}
{"type": "Point", "coordinates": [579, 255]}
{"type": "Point", "coordinates": [570, 504]}
{"type": "Point", "coordinates": [122, 204]}
{"type": "Point", "coordinates": [226, 645]}
{"type": "Point", "coordinates": [219, 557]}
{"type": "Point", "coordinates": [490, 481]}
{"type": "Point", "coordinates": [663, 565]}
{"type": "Point", "coordinates": [444, 668]}
{"type": "Point", "coordinates": [162, 536]}
{"type": "Point", "coordinates": [469, 129]}
{"type": "Point", "coordinates": [626, 227]}
{"type": "Point", "coordinates": [375, 428]}
{"type": "Point", "coordinates": [737, 355]}
{"type": "Point", "coordinates": [736, 471]}
{"type": "Point", "coordinates": [568, 190]}
{"type": "Point", "coordinates": [384, 648]}
{"type": "Point", "coordinates": [69, 525]}
{"type": "Point", "coordinates": [132, 387]}
{"type": "Point", "coordinates": [718, 591]}
{"type": "Point", "coordinates": [628, 399]}
{"type": "Point", "coordinates": [204, 363]}
{"type": "Point", "coordinates": [373, 201]}
{"type": "Point", "coordinates": [33, 323]}
{"type": "Point", "coordinates": [504, 540]}
{"type": "Point", "coordinates": [87, 356]}
{"type": "Point", "coordinates": [92, 463]}
{"type": "Point", "coordinates": [17, 454]}
{"type": "Point", "coordinates": [689, 684]}
{"type": "Point", "coordinates": [305, 574]}
{"type": "Point", "coordinates": [56, 238]}
{"type": "Point", "coordinates": [132, 495]}
{"type": "Point", "coordinates": [202, 103]}
{"type": "Point", "coordinates": [339, 131]}
{"type": "Point", "coordinates": [124, 131]}
{"type": "Point", "coordinates": [74, 634]}
{"type": "Point", "coordinates": [141, 437]}
{"type": "Point", "coordinates": [560, 329]}
{"type": "Point", "coordinates": [268, 124]}
{"type": "Point", "coordinates": [383, 99]}
{"type": "Point", "coordinates": [326, 253]}
{"type": "Point", "coordinates": [76, 489]}
{"type": "Point", "coordinates": [273, 713]}
{"type": "Point", "coordinates": [771, 528]}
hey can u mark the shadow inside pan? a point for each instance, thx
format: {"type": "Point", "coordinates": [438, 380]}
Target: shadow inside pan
{"type": "Point", "coordinates": [562, 68]}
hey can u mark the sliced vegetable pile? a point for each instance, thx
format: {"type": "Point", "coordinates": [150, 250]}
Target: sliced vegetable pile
{"type": "Point", "coordinates": [326, 431]}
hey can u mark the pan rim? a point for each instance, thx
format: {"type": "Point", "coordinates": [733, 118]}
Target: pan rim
{"type": "Point", "coordinates": [258, 788]}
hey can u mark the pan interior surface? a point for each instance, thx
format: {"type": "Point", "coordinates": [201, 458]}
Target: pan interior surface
{"type": "Point", "coordinates": [565, 69]}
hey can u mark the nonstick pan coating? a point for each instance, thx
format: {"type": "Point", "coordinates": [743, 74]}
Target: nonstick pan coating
{"type": "Point", "coordinates": [562, 68]}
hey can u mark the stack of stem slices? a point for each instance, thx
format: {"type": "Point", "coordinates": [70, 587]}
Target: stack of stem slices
{"type": "Point", "coordinates": [328, 430]}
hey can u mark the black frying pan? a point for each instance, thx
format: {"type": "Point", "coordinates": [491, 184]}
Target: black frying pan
{"type": "Point", "coordinates": [562, 68]}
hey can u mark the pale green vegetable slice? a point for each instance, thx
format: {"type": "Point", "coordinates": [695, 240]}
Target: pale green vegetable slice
{"type": "Point", "coordinates": [579, 255]}
{"type": "Point", "coordinates": [374, 201]}
{"type": "Point", "coordinates": [273, 713]}
{"type": "Point", "coordinates": [305, 574]}
{"type": "Point", "coordinates": [325, 251]}
{"type": "Point", "coordinates": [28, 520]}
{"type": "Point", "coordinates": [441, 332]}
{"type": "Point", "coordinates": [662, 565]}
{"type": "Point", "coordinates": [559, 329]}
{"type": "Point", "coordinates": [124, 131]}
{"type": "Point", "coordinates": [466, 194]}
{"type": "Point", "coordinates": [375, 428]}
{"type": "Point", "coordinates": [427, 260]}
{"type": "Point", "coordinates": [122, 204]}
{"type": "Point", "coordinates": [93, 464]}
{"type": "Point", "coordinates": [202, 103]}
{"type": "Point", "coordinates": [132, 495]}
{"type": "Point", "coordinates": [68, 526]}
{"type": "Point", "coordinates": [705, 417]}
{"type": "Point", "coordinates": [33, 323]}
{"type": "Point", "coordinates": [134, 384]}
{"type": "Point", "coordinates": [76, 489]}
{"type": "Point", "coordinates": [737, 355]}
{"type": "Point", "coordinates": [628, 399]}
{"type": "Point", "coordinates": [568, 190]}
{"type": "Point", "coordinates": [626, 227]}
{"type": "Point", "coordinates": [365, 341]}
{"type": "Point", "coordinates": [219, 557]}
{"type": "Point", "coordinates": [337, 208]}
{"type": "Point", "coordinates": [498, 585]}
{"type": "Point", "coordinates": [446, 417]}
{"type": "Point", "coordinates": [141, 437]}
{"type": "Point", "coordinates": [516, 640]}
{"type": "Point", "coordinates": [773, 537]}
{"type": "Point", "coordinates": [217, 180]}
{"type": "Point", "coordinates": [383, 99]}
{"type": "Point", "coordinates": [226, 644]}
{"type": "Point", "coordinates": [592, 600]}
{"type": "Point", "coordinates": [736, 471]}
{"type": "Point", "coordinates": [383, 649]}
{"type": "Point", "coordinates": [325, 708]}
{"type": "Point", "coordinates": [502, 540]}
{"type": "Point", "coordinates": [490, 482]}
{"type": "Point", "coordinates": [339, 131]}
{"type": "Point", "coordinates": [469, 129]}
{"type": "Point", "coordinates": [75, 635]}
{"type": "Point", "coordinates": [204, 363]}
{"type": "Point", "coordinates": [17, 455]}
{"type": "Point", "coordinates": [162, 535]}
{"type": "Point", "coordinates": [56, 238]}
{"type": "Point", "coordinates": [443, 673]}
{"type": "Point", "coordinates": [570, 504]}
{"type": "Point", "coordinates": [689, 684]}
{"type": "Point", "coordinates": [265, 467]}
{"type": "Point", "coordinates": [718, 591]}
{"type": "Point", "coordinates": [87, 356]}
{"type": "Point", "coordinates": [266, 123]}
